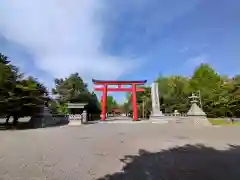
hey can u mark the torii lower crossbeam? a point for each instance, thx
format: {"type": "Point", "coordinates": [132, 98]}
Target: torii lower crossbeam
{"type": "Point", "coordinates": [119, 89]}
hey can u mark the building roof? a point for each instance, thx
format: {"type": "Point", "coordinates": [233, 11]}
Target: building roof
{"type": "Point", "coordinates": [76, 105]}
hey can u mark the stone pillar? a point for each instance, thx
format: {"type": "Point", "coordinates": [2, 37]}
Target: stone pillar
{"type": "Point", "coordinates": [156, 113]}
{"type": "Point", "coordinates": [84, 116]}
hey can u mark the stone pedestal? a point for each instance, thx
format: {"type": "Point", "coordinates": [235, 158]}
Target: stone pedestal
{"type": "Point", "coordinates": [195, 110]}
{"type": "Point", "coordinates": [75, 123]}
{"type": "Point", "coordinates": [78, 119]}
{"type": "Point", "coordinates": [197, 115]}
{"type": "Point", "coordinates": [42, 118]}
{"type": "Point", "coordinates": [200, 120]}
{"type": "Point", "coordinates": [157, 115]}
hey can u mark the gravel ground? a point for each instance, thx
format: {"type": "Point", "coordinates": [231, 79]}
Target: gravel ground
{"type": "Point", "coordinates": [121, 151]}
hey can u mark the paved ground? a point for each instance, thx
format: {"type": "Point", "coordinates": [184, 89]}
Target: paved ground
{"type": "Point", "coordinates": [125, 151]}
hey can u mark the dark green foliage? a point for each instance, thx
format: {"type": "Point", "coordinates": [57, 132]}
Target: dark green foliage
{"type": "Point", "coordinates": [70, 88]}
{"type": "Point", "coordinates": [144, 102]}
{"type": "Point", "coordinates": [22, 96]}
{"type": "Point", "coordinates": [73, 90]}
{"type": "Point", "coordinates": [111, 103]}
{"type": "Point", "coordinates": [173, 93]}
{"type": "Point", "coordinates": [220, 95]}
{"type": "Point", "coordinates": [18, 96]}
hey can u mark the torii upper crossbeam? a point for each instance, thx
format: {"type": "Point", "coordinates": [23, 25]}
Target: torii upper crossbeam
{"type": "Point", "coordinates": [120, 88]}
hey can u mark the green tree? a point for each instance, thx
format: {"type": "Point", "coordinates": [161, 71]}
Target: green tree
{"type": "Point", "coordinates": [126, 107]}
{"type": "Point", "coordinates": [25, 99]}
{"type": "Point", "coordinates": [93, 103]}
{"type": "Point", "coordinates": [210, 84]}
{"type": "Point", "coordinates": [220, 95]}
{"type": "Point", "coordinates": [235, 96]}
{"type": "Point", "coordinates": [111, 103]}
{"type": "Point", "coordinates": [73, 90]}
{"type": "Point", "coordinates": [173, 92]}
{"type": "Point", "coordinates": [18, 96]}
{"type": "Point", "coordinates": [70, 88]}
{"type": "Point", "coordinates": [8, 78]}
{"type": "Point", "coordinates": [129, 102]}
{"type": "Point", "coordinates": [54, 106]}
{"type": "Point", "coordinates": [144, 102]}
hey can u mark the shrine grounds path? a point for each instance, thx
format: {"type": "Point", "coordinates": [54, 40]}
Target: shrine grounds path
{"type": "Point", "coordinates": [128, 151]}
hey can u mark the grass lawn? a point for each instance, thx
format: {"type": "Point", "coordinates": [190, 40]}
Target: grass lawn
{"type": "Point", "coordinates": [224, 123]}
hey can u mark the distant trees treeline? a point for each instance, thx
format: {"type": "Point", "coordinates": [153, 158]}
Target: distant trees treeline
{"type": "Point", "coordinates": [220, 95]}
{"type": "Point", "coordinates": [22, 95]}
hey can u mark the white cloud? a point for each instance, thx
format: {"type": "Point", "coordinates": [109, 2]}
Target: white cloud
{"type": "Point", "coordinates": [63, 36]}
{"type": "Point", "coordinates": [197, 60]}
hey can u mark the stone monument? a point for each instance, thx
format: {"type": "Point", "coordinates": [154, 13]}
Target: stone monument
{"type": "Point", "coordinates": [196, 113]}
{"type": "Point", "coordinates": [156, 112]}
{"type": "Point", "coordinates": [41, 118]}
{"type": "Point", "coordinates": [195, 110]}
{"type": "Point", "coordinates": [84, 117]}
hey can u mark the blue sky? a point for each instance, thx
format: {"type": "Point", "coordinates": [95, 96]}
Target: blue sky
{"type": "Point", "coordinates": [109, 39]}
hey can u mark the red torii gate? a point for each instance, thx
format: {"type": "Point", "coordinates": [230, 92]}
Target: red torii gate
{"type": "Point", "coordinates": [120, 88]}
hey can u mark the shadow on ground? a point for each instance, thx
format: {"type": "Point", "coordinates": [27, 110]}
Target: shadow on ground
{"type": "Point", "coordinates": [189, 162]}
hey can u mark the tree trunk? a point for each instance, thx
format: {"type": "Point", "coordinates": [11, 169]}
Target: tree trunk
{"type": "Point", "coordinates": [15, 120]}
